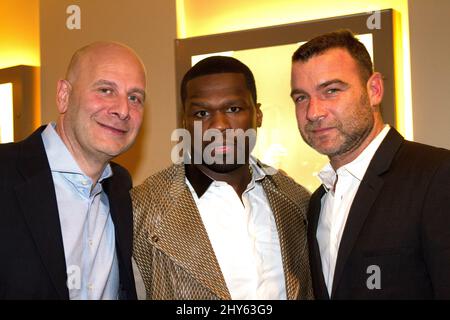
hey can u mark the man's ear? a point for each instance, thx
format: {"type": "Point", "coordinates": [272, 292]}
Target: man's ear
{"type": "Point", "coordinates": [63, 90]}
{"type": "Point", "coordinates": [259, 115]}
{"type": "Point", "coordinates": [375, 89]}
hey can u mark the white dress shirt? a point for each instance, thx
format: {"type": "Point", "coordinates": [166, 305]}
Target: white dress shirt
{"type": "Point", "coordinates": [86, 225]}
{"type": "Point", "coordinates": [244, 237]}
{"type": "Point", "coordinates": [341, 187]}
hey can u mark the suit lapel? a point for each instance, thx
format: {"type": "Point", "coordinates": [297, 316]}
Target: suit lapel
{"type": "Point", "coordinates": [117, 188]}
{"type": "Point", "coordinates": [365, 197]}
{"type": "Point", "coordinates": [116, 207]}
{"type": "Point", "coordinates": [37, 199]}
{"type": "Point", "coordinates": [362, 204]}
{"type": "Point", "coordinates": [182, 236]}
{"type": "Point", "coordinates": [292, 241]}
{"type": "Point", "coordinates": [320, 288]}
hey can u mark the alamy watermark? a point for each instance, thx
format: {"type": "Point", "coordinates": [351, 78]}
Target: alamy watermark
{"type": "Point", "coordinates": [231, 146]}
{"type": "Point", "coordinates": [73, 21]}
{"type": "Point", "coordinates": [374, 280]}
{"type": "Point", "coordinates": [374, 20]}
{"type": "Point", "coordinates": [73, 277]}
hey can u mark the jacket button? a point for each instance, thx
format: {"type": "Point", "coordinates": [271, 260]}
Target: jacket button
{"type": "Point", "coordinates": [155, 238]}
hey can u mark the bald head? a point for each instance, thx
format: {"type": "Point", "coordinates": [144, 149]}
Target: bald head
{"type": "Point", "coordinates": [89, 55]}
{"type": "Point", "coordinates": [101, 102]}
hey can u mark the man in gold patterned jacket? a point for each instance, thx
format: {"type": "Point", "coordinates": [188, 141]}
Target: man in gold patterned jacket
{"type": "Point", "coordinates": [221, 225]}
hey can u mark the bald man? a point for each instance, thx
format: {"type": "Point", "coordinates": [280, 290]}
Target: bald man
{"type": "Point", "coordinates": [66, 217]}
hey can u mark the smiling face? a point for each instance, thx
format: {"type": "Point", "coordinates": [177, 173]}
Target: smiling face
{"type": "Point", "coordinates": [337, 113]}
{"type": "Point", "coordinates": [101, 104]}
{"type": "Point", "coordinates": [221, 101]}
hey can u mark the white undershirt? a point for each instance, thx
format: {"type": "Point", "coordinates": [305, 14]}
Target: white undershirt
{"type": "Point", "coordinates": [244, 238]}
{"type": "Point", "coordinates": [336, 204]}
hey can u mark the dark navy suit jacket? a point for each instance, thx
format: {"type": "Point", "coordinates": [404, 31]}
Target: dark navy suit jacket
{"type": "Point", "coordinates": [399, 222]}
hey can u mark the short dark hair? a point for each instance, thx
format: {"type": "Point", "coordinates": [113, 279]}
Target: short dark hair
{"type": "Point", "coordinates": [338, 39]}
{"type": "Point", "coordinates": [215, 65]}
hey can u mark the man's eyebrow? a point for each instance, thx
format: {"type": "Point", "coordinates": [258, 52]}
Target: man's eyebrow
{"type": "Point", "coordinates": [330, 82]}
{"type": "Point", "coordinates": [138, 90]}
{"type": "Point", "coordinates": [103, 82]}
{"type": "Point", "coordinates": [200, 104]}
{"type": "Point", "coordinates": [297, 91]}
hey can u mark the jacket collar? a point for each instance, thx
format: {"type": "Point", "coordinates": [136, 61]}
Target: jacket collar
{"type": "Point", "coordinates": [200, 182]}
{"type": "Point", "coordinates": [290, 218]}
{"type": "Point", "coordinates": [117, 188]}
{"type": "Point", "coordinates": [319, 286]}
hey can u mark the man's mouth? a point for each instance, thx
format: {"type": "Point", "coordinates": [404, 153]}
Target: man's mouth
{"type": "Point", "coordinates": [114, 129]}
{"type": "Point", "coordinates": [321, 130]}
{"type": "Point", "coordinates": [223, 149]}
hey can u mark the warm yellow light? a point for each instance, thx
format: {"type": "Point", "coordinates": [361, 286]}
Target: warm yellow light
{"type": "Point", "coordinates": [402, 67]}
{"type": "Point", "coordinates": [181, 19]}
{"type": "Point", "coordinates": [19, 33]}
{"type": "Point", "coordinates": [6, 113]}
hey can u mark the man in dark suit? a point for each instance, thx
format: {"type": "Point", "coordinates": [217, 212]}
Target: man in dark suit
{"type": "Point", "coordinates": [66, 216]}
{"type": "Point", "coordinates": [379, 226]}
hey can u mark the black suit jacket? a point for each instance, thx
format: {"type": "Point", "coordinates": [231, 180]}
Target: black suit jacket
{"type": "Point", "coordinates": [31, 247]}
{"type": "Point", "coordinates": [399, 221]}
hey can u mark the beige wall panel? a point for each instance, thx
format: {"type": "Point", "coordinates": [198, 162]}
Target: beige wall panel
{"type": "Point", "coordinates": [430, 69]}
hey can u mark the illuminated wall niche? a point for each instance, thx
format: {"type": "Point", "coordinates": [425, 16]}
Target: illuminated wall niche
{"type": "Point", "coordinates": [19, 102]}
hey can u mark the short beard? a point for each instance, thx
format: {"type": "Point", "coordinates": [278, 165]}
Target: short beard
{"type": "Point", "coordinates": [223, 168]}
{"type": "Point", "coordinates": [352, 136]}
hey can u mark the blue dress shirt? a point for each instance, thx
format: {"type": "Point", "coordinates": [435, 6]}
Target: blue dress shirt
{"type": "Point", "coordinates": [86, 224]}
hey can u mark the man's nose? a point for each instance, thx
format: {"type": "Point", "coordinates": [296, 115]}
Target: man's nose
{"type": "Point", "coordinates": [316, 109]}
{"type": "Point", "coordinates": [220, 121]}
{"type": "Point", "coordinates": [121, 108]}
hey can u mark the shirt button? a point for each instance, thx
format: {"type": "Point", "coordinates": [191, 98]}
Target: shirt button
{"type": "Point", "coordinates": [91, 243]}
{"type": "Point", "coordinates": [90, 286]}
{"type": "Point", "coordinates": [84, 182]}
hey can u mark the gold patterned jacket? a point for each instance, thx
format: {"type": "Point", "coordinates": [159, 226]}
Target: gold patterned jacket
{"type": "Point", "coordinates": [172, 249]}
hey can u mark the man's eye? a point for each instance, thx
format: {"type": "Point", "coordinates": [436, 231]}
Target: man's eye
{"type": "Point", "coordinates": [299, 99]}
{"type": "Point", "coordinates": [135, 99]}
{"type": "Point", "coordinates": [201, 114]}
{"type": "Point", "coordinates": [233, 109]}
{"type": "Point", "coordinates": [105, 90]}
{"type": "Point", "coordinates": [332, 90]}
